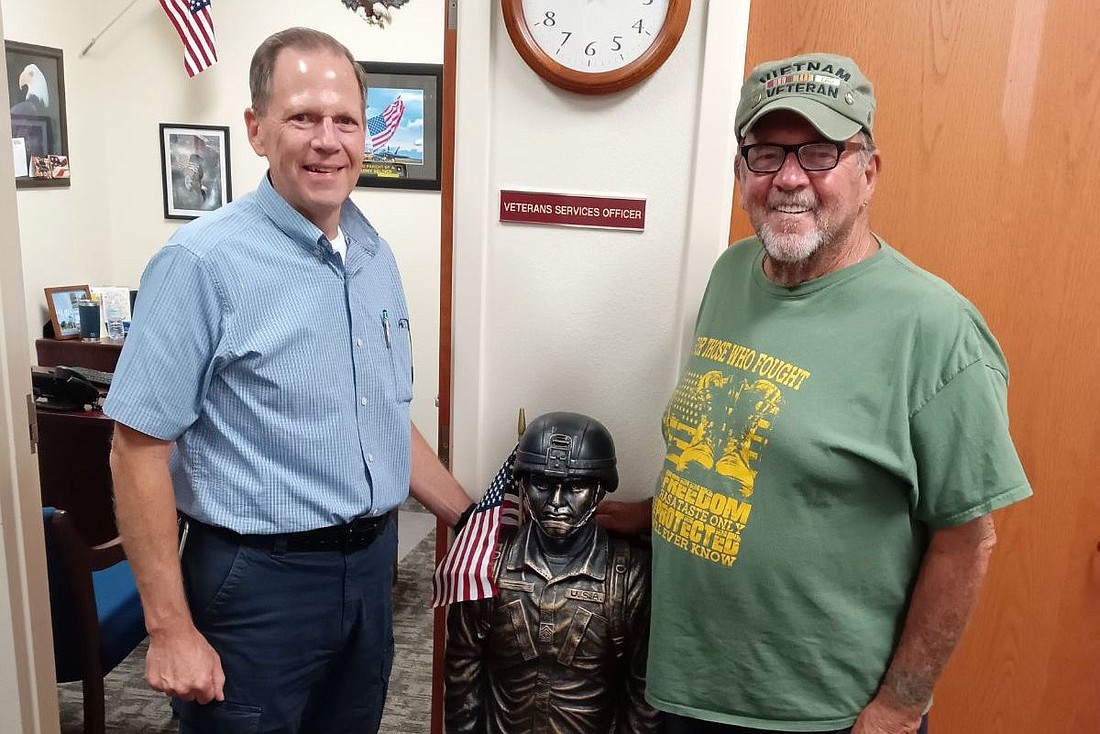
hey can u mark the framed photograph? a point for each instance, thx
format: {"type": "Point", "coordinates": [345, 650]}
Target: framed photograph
{"type": "Point", "coordinates": [40, 138]}
{"type": "Point", "coordinates": [62, 302]}
{"type": "Point", "coordinates": [404, 137]}
{"type": "Point", "coordinates": [194, 169]}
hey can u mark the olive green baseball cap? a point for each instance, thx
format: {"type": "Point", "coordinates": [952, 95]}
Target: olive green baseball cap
{"type": "Point", "coordinates": [828, 90]}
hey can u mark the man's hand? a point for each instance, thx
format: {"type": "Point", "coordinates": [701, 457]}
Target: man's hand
{"type": "Point", "coordinates": [183, 664]}
{"type": "Point", "coordinates": [943, 599]}
{"type": "Point", "coordinates": [629, 518]}
{"type": "Point", "coordinates": [880, 717]}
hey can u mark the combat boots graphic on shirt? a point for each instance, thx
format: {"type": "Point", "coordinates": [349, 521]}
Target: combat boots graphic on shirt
{"type": "Point", "coordinates": [730, 424]}
{"type": "Point", "coordinates": [718, 419]}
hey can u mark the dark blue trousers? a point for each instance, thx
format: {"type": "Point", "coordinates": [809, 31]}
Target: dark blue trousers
{"type": "Point", "coordinates": [305, 638]}
{"type": "Point", "coordinates": [674, 724]}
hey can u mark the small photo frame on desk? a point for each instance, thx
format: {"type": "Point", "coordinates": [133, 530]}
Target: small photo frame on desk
{"type": "Point", "coordinates": [62, 302]}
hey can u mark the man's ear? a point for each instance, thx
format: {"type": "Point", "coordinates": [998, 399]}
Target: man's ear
{"type": "Point", "coordinates": [871, 172]}
{"type": "Point", "coordinates": [738, 172]}
{"type": "Point", "coordinates": [252, 125]}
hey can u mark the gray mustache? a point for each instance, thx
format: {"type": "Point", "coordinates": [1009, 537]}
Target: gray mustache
{"type": "Point", "coordinates": [802, 200]}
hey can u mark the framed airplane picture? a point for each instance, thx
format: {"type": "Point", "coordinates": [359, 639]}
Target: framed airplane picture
{"type": "Point", "coordinates": [403, 111]}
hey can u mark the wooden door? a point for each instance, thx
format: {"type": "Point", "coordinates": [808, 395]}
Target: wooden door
{"type": "Point", "coordinates": [446, 274]}
{"type": "Point", "coordinates": [989, 125]}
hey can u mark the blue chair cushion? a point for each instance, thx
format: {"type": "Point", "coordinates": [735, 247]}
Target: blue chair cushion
{"type": "Point", "coordinates": [118, 608]}
{"type": "Point", "coordinates": [121, 622]}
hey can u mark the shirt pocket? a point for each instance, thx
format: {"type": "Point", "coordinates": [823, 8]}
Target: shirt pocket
{"type": "Point", "coordinates": [400, 343]}
{"type": "Point", "coordinates": [587, 641]}
{"type": "Point", "coordinates": [510, 635]}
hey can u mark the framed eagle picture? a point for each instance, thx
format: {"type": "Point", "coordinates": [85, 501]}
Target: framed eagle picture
{"type": "Point", "coordinates": [36, 92]}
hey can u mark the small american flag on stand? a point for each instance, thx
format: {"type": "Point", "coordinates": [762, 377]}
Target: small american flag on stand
{"type": "Point", "coordinates": [195, 27]}
{"type": "Point", "coordinates": [382, 127]}
{"type": "Point", "coordinates": [467, 571]}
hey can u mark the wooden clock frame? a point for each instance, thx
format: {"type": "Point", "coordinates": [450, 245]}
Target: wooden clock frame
{"type": "Point", "coordinates": [602, 82]}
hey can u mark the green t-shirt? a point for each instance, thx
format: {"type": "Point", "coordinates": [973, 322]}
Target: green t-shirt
{"type": "Point", "coordinates": [816, 436]}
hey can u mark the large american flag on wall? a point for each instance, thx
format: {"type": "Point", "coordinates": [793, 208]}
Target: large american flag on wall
{"type": "Point", "coordinates": [467, 571]}
{"type": "Point", "coordinates": [382, 127]}
{"type": "Point", "coordinates": [195, 27]}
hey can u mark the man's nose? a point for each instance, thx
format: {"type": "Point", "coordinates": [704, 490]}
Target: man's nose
{"type": "Point", "coordinates": [791, 175]}
{"type": "Point", "coordinates": [325, 134]}
{"type": "Point", "coordinates": [557, 497]}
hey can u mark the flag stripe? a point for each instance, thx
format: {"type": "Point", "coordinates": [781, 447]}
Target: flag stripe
{"type": "Point", "coordinates": [204, 27]}
{"type": "Point", "coordinates": [384, 126]}
{"type": "Point", "coordinates": [195, 28]}
{"type": "Point", "coordinates": [467, 572]}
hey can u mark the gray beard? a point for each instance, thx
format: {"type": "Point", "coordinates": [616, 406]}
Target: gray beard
{"type": "Point", "coordinates": [790, 248]}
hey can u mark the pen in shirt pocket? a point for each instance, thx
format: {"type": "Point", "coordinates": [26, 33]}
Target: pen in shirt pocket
{"type": "Point", "coordinates": [404, 324]}
{"type": "Point", "coordinates": [386, 328]}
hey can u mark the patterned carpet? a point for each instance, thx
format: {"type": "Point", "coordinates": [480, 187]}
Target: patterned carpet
{"type": "Point", "coordinates": [133, 708]}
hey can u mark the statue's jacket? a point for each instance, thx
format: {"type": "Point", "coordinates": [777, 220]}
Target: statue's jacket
{"type": "Point", "coordinates": [560, 653]}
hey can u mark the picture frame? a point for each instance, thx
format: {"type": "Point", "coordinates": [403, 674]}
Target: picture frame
{"type": "Point", "coordinates": [403, 115]}
{"type": "Point", "coordinates": [62, 302]}
{"type": "Point", "coordinates": [36, 90]}
{"type": "Point", "coordinates": [194, 169]}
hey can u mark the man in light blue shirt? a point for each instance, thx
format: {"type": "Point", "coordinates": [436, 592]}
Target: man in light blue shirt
{"type": "Point", "coordinates": [264, 395]}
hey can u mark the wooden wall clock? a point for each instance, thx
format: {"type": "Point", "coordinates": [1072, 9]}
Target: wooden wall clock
{"type": "Point", "coordinates": [595, 47]}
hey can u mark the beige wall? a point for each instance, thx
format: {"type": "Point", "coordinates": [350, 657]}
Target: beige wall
{"type": "Point", "coordinates": [552, 318]}
{"type": "Point", "coordinates": [103, 229]}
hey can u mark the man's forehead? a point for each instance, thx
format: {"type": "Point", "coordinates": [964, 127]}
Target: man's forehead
{"type": "Point", "coordinates": [783, 123]}
{"type": "Point", "coordinates": [294, 60]}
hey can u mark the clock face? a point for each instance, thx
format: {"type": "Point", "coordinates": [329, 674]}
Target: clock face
{"type": "Point", "coordinates": [594, 36]}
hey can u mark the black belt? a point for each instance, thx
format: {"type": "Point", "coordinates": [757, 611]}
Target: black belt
{"type": "Point", "coordinates": [355, 535]}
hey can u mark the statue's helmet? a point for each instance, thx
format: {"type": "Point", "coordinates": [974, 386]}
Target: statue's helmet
{"type": "Point", "coordinates": [568, 446]}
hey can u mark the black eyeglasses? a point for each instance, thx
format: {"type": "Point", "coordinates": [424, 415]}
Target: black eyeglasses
{"type": "Point", "coordinates": [817, 156]}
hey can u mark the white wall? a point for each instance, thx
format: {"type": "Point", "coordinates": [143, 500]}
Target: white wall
{"type": "Point", "coordinates": [64, 230]}
{"type": "Point", "coordinates": [577, 319]}
{"type": "Point", "coordinates": [105, 227]}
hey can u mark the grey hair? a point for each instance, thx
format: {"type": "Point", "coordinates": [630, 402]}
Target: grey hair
{"type": "Point", "coordinates": [867, 148]}
{"type": "Point", "coordinates": [262, 69]}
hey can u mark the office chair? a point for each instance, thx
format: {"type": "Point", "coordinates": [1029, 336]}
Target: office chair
{"type": "Point", "coordinates": [95, 608]}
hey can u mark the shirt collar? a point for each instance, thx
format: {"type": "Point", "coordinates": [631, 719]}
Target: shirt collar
{"type": "Point", "coordinates": [594, 564]}
{"type": "Point", "coordinates": [359, 234]}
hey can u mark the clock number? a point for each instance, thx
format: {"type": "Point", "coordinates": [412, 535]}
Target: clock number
{"type": "Point", "coordinates": [615, 40]}
{"type": "Point", "coordinates": [549, 21]}
{"type": "Point", "coordinates": [647, 2]}
{"type": "Point", "coordinates": [590, 49]}
{"type": "Point", "coordinates": [638, 25]}
{"type": "Point", "coordinates": [567, 34]}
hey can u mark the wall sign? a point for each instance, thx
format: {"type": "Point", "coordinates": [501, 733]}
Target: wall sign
{"type": "Point", "coordinates": [569, 210]}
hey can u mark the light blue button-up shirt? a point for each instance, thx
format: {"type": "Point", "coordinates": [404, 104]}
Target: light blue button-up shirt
{"type": "Point", "coordinates": [283, 376]}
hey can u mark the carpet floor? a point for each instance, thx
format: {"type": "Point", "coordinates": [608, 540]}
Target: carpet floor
{"type": "Point", "coordinates": [134, 708]}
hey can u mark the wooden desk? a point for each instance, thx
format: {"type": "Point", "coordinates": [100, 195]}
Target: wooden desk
{"type": "Point", "coordinates": [74, 450]}
{"type": "Point", "coordinates": [101, 355]}
{"type": "Point", "coordinates": [74, 447]}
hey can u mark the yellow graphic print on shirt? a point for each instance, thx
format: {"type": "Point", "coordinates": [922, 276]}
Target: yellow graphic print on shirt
{"type": "Point", "coordinates": [718, 419]}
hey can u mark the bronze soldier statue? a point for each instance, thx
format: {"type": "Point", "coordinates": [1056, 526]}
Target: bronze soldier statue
{"type": "Point", "coordinates": [562, 648]}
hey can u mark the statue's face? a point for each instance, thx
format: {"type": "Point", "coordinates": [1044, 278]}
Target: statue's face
{"type": "Point", "coordinates": [561, 507]}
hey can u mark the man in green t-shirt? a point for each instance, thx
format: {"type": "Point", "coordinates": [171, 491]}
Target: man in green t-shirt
{"type": "Point", "coordinates": [834, 448]}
